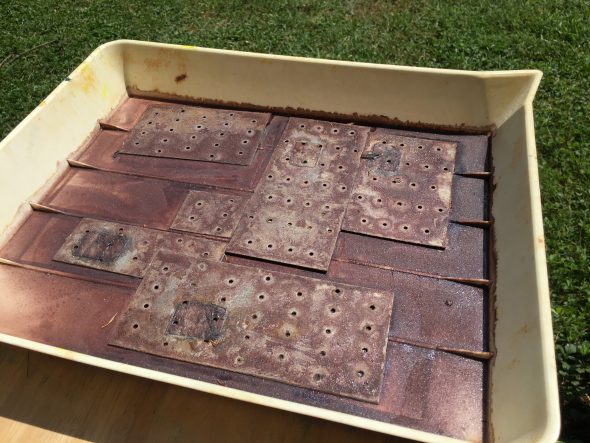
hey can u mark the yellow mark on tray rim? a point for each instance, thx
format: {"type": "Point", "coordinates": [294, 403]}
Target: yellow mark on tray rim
{"type": "Point", "coordinates": [85, 75]}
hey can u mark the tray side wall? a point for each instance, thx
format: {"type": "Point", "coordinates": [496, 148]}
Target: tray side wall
{"type": "Point", "coordinates": [35, 151]}
{"type": "Point", "coordinates": [524, 394]}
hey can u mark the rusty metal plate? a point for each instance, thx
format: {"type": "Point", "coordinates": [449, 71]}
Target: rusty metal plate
{"type": "Point", "coordinates": [403, 189]}
{"type": "Point", "coordinates": [307, 332]}
{"type": "Point", "coordinates": [193, 133]}
{"type": "Point", "coordinates": [126, 249]}
{"type": "Point", "coordinates": [209, 213]}
{"type": "Point", "coordinates": [295, 214]}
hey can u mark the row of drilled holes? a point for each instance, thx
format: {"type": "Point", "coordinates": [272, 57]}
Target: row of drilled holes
{"type": "Point", "coordinates": [145, 243]}
{"type": "Point", "coordinates": [323, 165]}
{"type": "Point", "coordinates": [426, 166]}
{"type": "Point", "coordinates": [193, 137]}
{"type": "Point", "coordinates": [333, 131]}
{"type": "Point", "coordinates": [308, 204]}
{"type": "Point", "coordinates": [187, 148]}
{"type": "Point", "coordinates": [216, 145]}
{"type": "Point", "coordinates": [401, 145]}
{"type": "Point", "coordinates": [412, 185]}
{"type": "Point", "coordinates": [289, 180]}
{"type": "Point", "coordinates": [401, 204]}
{"type": "Point", "coordinates": [319, 145]}
{"type": "Point", "coordinates": [204, 117]}
{"type": "Point", "coordinates": [290, 249]}
{"type": "Point", "coordinates": [403, 228]}
{"type": "Point", "coordinates": [292, 225]}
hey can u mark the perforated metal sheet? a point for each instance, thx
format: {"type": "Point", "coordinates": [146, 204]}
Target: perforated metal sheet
{"type": "Point", "coordinates": [403, 189]}
{"type": "Point", "coordinates": [126, 249]}
{"type": "Point", "coordinates": [192, 133]}
{"type": "Point", "coordinates": [297, 209]}
{"type": "Point", "coordinates": [210, 213]}
{"type": "Point", "coordinates": [307, 332]}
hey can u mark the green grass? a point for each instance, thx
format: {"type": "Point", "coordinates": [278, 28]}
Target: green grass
{"type": "Point", "coordinates": [549, 35]}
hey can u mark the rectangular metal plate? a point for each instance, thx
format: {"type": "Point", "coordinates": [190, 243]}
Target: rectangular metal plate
{"type": "Point", "coordinates": [295, 214]}
{"type": "Point", "coordinates": [210, 213]}
{"type": "Point", "coordinates": [126, 249]}
{"type": "Point", "coordinates": [403, 189]}
{"type": "Point", "coordinates": [194, 133]}
{"type": "Point", "coordinates": [102, 153]}
{"type": "Point", "coordinates": [297, 330]}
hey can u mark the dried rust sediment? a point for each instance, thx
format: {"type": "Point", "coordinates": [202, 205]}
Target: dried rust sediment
{"type": "Point", "coordinates": [312, 333]}
{"type": "Point", "coordinates": [295, 214]}
{"type": "Point", "coordinates": [403, 189]}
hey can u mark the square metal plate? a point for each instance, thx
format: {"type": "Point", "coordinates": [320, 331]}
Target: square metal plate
{"type": "Point", "coordinates": [295, 214]}
{"type": "Point", "coordinates": [209, 213]}
{"type": "Point", "coordinates": [312, 333]}
{"type": "Point", "coordinates": [193, 133]}
{"type": "Point", "coordinates": [126, 249]}
{"type": "Point", "coordinates": [403, 189]}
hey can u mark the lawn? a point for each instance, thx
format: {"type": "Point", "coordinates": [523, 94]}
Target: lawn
{"type": "Point", "coordinates": [42, 41]}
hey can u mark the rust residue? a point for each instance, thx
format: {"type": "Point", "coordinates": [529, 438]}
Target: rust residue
{"type": "Point", "coordinates": [180, 78]}
{"type": "Point", "coordinates": [361, 119]}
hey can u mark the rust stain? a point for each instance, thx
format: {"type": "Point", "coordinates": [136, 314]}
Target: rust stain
{"type": "Point", "coordinates": [515, 362]}
{"type": "Point", "coordinates": [180, 78]}
{"type": "Point", "coordinates": [155, 63]}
